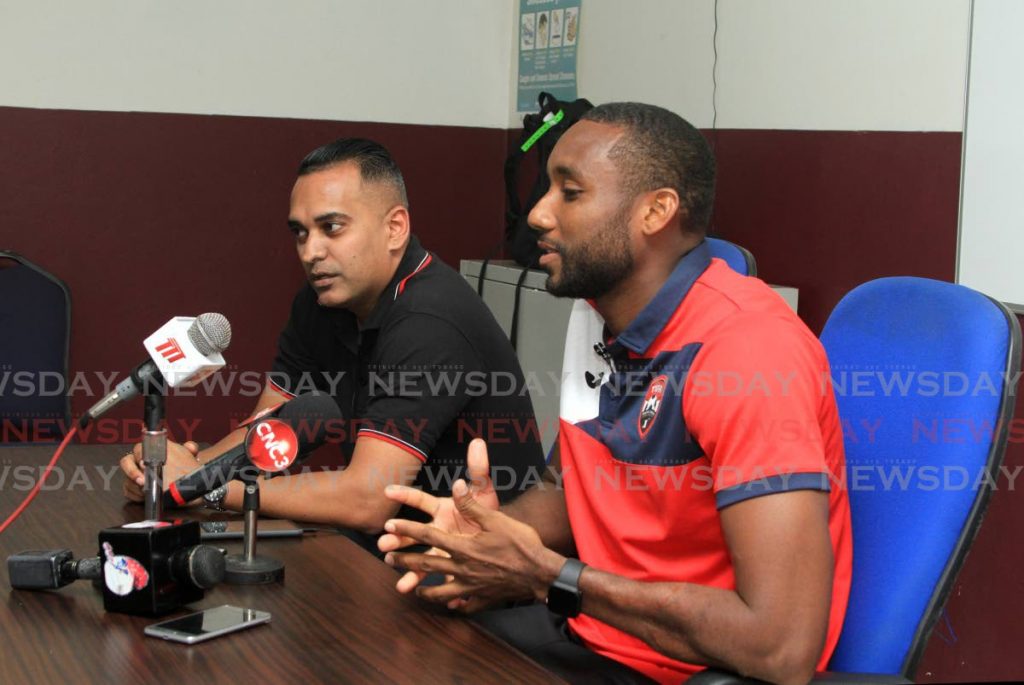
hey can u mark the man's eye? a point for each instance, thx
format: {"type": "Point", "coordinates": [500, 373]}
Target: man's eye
{"type": "Point", "coordinates": [333, 227]}
{"type": "Point", "coordinates": [570, 194]}
{"type": "Point", "coordinates": [300, 234]}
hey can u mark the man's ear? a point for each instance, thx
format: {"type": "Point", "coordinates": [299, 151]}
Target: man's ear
{"type": "Point", "coordinates": [661, 208]}
{"type": "Point", "coordinates": [398, 225]}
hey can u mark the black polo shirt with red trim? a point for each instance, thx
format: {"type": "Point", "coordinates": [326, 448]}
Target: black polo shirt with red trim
{"type": "Point", "coordinates": [429, 370]}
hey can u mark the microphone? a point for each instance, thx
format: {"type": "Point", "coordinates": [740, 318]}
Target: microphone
{"type": "Point", "coordinates": [199, 565]}
{"type": "Point", "coordinates": [146, 567]}
{"type": "Point", "coordinates": [182, 352]}
{"type": "Point", "coordinates": [276, 439]}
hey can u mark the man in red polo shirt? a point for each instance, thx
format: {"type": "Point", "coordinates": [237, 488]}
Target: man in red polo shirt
{"type": "Point", "coordinates": [694, 514]}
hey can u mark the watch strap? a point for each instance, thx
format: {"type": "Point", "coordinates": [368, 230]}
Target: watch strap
{"type": "Point", "coordinates": [564, 595]}
{"type": "Point", "coordinates": [569, 576]}
{"type": "Point", "coordinates": [215, 498]}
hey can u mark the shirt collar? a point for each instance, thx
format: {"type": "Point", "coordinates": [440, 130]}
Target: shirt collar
{"type": "Point", "coordinates": [642, 330]}
{"type": "Point", "coordinates": [414, 259]}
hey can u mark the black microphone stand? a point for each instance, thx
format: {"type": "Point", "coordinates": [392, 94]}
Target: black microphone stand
{"type": "Point", "coordinates": [249, 568]}
{"type": "Point", "coordinates": [154, 453]}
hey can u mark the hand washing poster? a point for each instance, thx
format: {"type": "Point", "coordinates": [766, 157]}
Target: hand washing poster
{"type": "Point", "coordinates": [549, 32]}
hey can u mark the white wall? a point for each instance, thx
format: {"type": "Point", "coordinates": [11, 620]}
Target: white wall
{"type": "Point", "coordinates": [656, 51]}
{"type": "Point", "coordinates": [897, 65]}
{"type": "Point", "coordinates": [991, 216]}
{"type": "Point", "coordinates": [404, 61]}
{"type": "Point", "coordinates": [791, 64]}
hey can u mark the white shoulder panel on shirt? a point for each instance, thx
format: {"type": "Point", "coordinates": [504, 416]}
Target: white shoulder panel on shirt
{"type": "Point", "coordinates": [583, 369]}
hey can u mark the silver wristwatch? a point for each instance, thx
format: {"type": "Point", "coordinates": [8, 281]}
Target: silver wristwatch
{"type": "Point", "coordinates": [214, 499]}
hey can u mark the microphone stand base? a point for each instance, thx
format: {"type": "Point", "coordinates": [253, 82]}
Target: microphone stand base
{"type": "Point", "coordinates": [259, 570]}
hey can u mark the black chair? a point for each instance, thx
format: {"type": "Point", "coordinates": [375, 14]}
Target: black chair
{"type": "Point", "coordinates": [35, 330]}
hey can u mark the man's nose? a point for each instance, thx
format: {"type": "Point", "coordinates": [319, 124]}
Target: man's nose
{"type": "Point", "coordinates": [313, 249]}
{"type": "Point", "coordinates": [540, 217]}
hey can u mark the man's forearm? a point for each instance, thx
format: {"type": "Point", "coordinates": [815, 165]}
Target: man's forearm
{"type": "Point", "coordinates": [696, 624]}
{"type": "Point", "coordinates": [327, 497]}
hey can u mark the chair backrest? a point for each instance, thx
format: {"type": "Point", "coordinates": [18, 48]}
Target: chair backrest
{"type": "Point", "coordinates": [35, 329]}
{"type": "Point", "coordinates": [924, 374]}
{"type": "Point", "coordinates": [738, 258]}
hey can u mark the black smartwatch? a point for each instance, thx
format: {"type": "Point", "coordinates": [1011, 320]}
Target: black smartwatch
{"type": "Point", "coordinates": [564, 596]}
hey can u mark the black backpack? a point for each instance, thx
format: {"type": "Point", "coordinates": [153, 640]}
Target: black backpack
{"type": "Point", "coordinates": [541, 131]}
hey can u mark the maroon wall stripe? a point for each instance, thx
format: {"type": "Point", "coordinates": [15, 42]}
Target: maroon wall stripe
{"type": "Point", "coordinates": [828, 210]}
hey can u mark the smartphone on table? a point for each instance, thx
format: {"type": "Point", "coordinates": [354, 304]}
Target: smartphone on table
{"type": "Point", "coordinates": [207, 624]}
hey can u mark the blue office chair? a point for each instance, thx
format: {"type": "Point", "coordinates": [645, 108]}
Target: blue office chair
{"type": "Point", "coordinates": [738, 258]}
{"type": "Point", "coordinates": [934, 366]}
{"type": "Point", "coordinates": [35, 329]}
{"type": "Point", "coordinates": [909, 543]}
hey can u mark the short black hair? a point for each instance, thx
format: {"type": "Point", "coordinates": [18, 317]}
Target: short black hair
{"type": "Point", "coordinates": [660, 149]}
{"type": "Point", "coordinates": [376, 165]}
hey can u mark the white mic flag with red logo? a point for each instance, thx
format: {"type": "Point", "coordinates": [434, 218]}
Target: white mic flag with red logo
{"type": "Point", "coordinates": [175, 355]}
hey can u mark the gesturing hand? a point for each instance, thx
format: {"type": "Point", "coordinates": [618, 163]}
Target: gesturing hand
{"type": "Point", "coordinates": [486, 555]}
{"type": "Point", "coordinates": [442, 510]}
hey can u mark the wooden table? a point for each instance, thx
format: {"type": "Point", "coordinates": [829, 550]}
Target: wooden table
{"type": "Point", "coordinates": [336, 618]}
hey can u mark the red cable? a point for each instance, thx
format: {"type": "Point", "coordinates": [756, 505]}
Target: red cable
{"type": "Point", "coordinates": [35, 490]}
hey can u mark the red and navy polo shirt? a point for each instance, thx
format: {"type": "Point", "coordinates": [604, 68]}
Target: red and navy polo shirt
{"type": "Point", "coordinates": [714, 394]}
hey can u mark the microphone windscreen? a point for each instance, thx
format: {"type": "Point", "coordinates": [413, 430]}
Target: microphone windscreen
{"type": "Point", "coordinates": [200, 565]}
{"type": "Point", "coordinates": [210, 333]}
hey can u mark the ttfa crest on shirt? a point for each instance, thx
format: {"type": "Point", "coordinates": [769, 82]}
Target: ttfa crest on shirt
{"type": "Point", "coordinates": [651, 405]}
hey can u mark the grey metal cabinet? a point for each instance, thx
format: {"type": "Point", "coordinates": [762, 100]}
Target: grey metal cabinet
{"type": "Point", "coordinates": [543, 320]}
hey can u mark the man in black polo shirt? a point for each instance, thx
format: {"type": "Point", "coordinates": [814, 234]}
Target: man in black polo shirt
{"type": "Point", "coordinates": [398, 338]}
